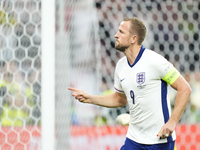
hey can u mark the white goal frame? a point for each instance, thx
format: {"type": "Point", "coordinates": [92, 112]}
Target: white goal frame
{"type": "Point", "coordinates": [48, 75]}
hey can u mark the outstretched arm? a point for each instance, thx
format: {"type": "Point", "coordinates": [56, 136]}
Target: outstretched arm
{"type": "Point", "coordinates": [183, 93]}
{"type": "Point", "coordinates": [112, 100]}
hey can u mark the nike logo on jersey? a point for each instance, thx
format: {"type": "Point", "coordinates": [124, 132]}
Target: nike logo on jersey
{"type": "Point", "coordinates": [122, 80]}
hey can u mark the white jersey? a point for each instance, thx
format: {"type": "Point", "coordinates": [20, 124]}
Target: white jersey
{"type": "Point", "coordinates": [146, 93]}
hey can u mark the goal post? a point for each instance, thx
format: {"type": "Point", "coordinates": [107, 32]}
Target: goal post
{"type": "Point", "coordinates": [48, 75]}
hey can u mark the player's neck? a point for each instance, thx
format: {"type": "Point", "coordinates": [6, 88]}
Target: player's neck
{"type": "Point", "coordinates": [132, 53]}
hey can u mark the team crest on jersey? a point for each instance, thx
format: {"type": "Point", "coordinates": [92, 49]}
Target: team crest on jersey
{"type": "Point", "coordinates": [140, 78]}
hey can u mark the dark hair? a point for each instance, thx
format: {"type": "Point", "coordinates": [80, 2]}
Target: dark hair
{"type": "Point", "coordinates": [138, 28]}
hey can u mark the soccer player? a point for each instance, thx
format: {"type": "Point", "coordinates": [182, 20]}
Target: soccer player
{"type": "Point", "coordinates": [141, 80]}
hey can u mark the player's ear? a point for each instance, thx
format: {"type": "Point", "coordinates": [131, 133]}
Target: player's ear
{"type": "Point", "coordinates": [133, 39]}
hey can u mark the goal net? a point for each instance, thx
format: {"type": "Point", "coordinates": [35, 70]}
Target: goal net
{"type": "Point", "coordinates": [77, 65]}
{"type": "Point", "coordinates": [172, 31]}
{"type": "Point", "coordinates": [85, 58]}
{"type": "Point", "coordinates": [20, 76]}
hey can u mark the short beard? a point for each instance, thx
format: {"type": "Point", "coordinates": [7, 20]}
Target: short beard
{"type": "Point", "coordinates": [120, 47]}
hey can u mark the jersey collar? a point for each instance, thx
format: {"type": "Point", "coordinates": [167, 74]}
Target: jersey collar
{"type": "Point", "coordinates": [138, 57]}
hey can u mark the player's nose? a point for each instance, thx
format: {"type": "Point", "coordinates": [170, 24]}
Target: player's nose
{"type": "Point", "coordinates": [116, 35]}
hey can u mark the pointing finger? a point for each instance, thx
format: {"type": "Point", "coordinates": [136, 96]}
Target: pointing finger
{"type": "Point", "coordinates": [73, 89]}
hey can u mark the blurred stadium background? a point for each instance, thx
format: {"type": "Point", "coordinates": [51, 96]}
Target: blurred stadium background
{"type": "Point", "coordinates": [86, 59]}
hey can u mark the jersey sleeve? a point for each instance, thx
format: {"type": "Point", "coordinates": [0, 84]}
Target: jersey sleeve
{"type": "Point", "coordinates": [117, 83]}
{"type": "Point", "coordinates": [165, 70]}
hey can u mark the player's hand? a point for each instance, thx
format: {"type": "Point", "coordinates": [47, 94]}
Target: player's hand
{"type": "Point", "coordinates": [80, 95]}
{"type": "Point", "coordinates": [166, 130]}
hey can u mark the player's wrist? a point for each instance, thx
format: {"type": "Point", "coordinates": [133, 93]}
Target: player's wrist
{"type": "Point", "coordinates": [174, 121]}
{"type": "Point", "coordinates": [93, 99]}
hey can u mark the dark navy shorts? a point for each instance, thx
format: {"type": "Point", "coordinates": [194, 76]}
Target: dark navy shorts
{"type": "Point", "coordinates": [131, 145]}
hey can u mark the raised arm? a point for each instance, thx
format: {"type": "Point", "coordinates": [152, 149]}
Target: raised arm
{"type": "Point", "coordinates": [112, 100]}
{"type": "Point", "coordinates": [182, 97]}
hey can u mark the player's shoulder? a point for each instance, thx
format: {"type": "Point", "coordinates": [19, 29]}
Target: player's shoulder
{"type": "Point", "coordinates": [151, 53]}
{"type": "Point", "coordinates": [122, 61]}
{"type": "Point", "coordinates": [153, 56]}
